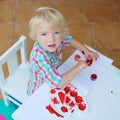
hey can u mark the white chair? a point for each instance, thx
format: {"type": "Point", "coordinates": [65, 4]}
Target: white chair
{"type": "Point", "coordinates": [13, 88]}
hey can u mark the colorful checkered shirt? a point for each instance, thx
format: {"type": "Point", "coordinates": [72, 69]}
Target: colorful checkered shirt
{"type": "Point", "coordinates": [44, 64]}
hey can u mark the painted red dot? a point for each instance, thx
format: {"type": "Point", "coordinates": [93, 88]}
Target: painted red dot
{"type": "Point", "coordinates": [64, 109]}
{"type": "Point", "coordinates": [67, 89]}
{"type": "Point", "coordinates": [67, 99]}
{"type": "Point", "coordinates": [77, 57]}
{"type": "Point", "coordinates": [78, 99]}
{"type": "Point", "coordinates": [52, 91]}
{"type": "Point", "coordinates": [82, 106]}
{"type": "Point", "coordinates": [72, 104]}
{"type": "Point", "coordinates": [73, 93]}
{"type": "Point", "coordinates": [83, 52]}
{"type": "Point", "coordinates": [93, 77]}
{"type": "Point", "coordinates": [89, 61]}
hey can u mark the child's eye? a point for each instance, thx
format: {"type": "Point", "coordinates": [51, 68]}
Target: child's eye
{"type": "Point", "coordinates": [57, 32]}
{"type": "Point", "coordinates": [43, 34]}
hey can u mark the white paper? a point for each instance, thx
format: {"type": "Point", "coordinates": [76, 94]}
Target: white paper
{"type": "Point", "coordinates": [82, 81]}
{"type": "Point", "coordinates": [35, 107]}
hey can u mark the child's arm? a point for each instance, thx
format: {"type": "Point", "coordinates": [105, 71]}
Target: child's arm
{"type": "Point", "coordinates": [88, 53]}
{"type": "Point", "coordinates": [68, 76]}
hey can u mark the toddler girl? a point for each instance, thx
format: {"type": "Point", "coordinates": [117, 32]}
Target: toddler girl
{"type": "Point", "coordinates": [48, 28]}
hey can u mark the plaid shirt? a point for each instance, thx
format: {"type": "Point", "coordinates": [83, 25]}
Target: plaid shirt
{"type": "Point", "coordinates": [44, 64]}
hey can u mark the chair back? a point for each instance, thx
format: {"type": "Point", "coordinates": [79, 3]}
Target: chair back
{"type": "Point", "coordinates": [13, 87]}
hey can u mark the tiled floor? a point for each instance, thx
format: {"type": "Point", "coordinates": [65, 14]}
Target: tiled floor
{"type": "Point", "coordinates": [93, 22]}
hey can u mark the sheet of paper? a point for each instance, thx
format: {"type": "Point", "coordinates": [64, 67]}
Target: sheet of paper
{"type": "Point", "coordinates": [35, 107]}
{"type": "Point", "coordinates": [64, 101]}
{"type": "Point", "coordinates": [83, 81]}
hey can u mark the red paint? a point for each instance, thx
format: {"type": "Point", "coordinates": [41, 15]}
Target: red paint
{"type": "Point", "coordinates": [77, 57]}
{"type": "Point", "coordinates": [73, 93]}
{"type": "Point", "coordinates": [82, 106]}
{"type": "Point", "coordinates": [58, 88]}
{"type": "Point", "coordinates": [72, 110]}
{"type": "Point", "coordinates": [72, 104]}
{"type": "Point", "coordinates": [67, 99]}
{"type": "Point", "coordinates": [93, 77]}
{"type": "Point", "coordinates": [52, 91]}
{"type": "Point", "coordinates": [89, 61]}
{"type": "Point", "coordinates": [83, 52]}
{"type": "Point", "coordinates": [64, 109]}
{"type": "Point", "coordinates": [52, 111]}
{"type": "Point", "coordinates": [61, 96]}
{"type": "Point", "coordinates": [55, 100]}
{"type": "Point", "coordinates": [78, 99]}
{"type": "Point", "coordinates": [67, 89]}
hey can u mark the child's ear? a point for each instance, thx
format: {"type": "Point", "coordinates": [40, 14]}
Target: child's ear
{"type": "Point", "coordinates": [66, 32]}
{"type": "Point", "coordinates": [35, 37]}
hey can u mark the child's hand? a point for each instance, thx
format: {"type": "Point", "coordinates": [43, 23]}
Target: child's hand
{"type": "Point", "coordinates": [92, 55]}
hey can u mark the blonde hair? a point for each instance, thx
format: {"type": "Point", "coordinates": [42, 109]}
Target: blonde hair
{"type": "Point", "coordinates": [50, 15]}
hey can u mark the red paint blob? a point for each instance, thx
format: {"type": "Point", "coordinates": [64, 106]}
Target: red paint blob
{"type": "Point", "coordinates": [72, 110]}
{"type": "Point", "coordinates": [67, 99]}
{"type": "Point", "coordinates": [93, 77]}
{"type": "Point", "coordinates": [89, 61]}
{"type": "Point", "coordinates": [82, 106]}
{"type": "Point", "coordinates": [77, 57]}
{"type": "Point", "coordinates": [83, 52]}
{"type": "Point", "coordinates": [52, 111]}
{"type": "Point", "coordinates": [64, 109]}
{"type": "Point", "coordinates": [52, 91]}
{"type": "Point", "coordinates": [61, 96]}
{"type": "Point", "coordinates": [55, 101]}
{"type": "Point", "coordinates": [67, 89]}
{"type": "Point", "coordinates": [73, 94]}
{"type": "Point", "coordinates": [72, 104]}
{"type": "Point", "coordinates": [78, 99]}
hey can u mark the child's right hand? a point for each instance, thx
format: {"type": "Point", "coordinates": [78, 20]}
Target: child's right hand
{"type": "Point", "coordinates": [81, 64]}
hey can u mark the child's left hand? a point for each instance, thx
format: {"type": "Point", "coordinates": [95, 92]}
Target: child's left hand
{"type": "Point", "coordinates": [90, 56]}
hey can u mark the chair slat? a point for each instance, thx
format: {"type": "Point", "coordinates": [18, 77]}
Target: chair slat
{"type": "Point", "coordinates": [12, 63]}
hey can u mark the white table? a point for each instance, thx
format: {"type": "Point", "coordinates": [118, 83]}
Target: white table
{"type": "Point", "coordinates": [104, 105]}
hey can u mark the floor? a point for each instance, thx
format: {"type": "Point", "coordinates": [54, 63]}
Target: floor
{"type": "Point", "coordinates": [93, 22]}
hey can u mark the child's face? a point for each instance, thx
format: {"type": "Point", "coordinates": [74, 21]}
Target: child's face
{"type": "Point", "coordinates": [48, 36]}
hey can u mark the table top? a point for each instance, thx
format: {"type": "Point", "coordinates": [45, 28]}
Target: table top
{"type": "Point", "coordinates": [103, 100]}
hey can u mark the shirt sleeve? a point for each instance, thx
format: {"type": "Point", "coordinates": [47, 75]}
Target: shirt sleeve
{"type": "Point", "coordinates": [66, 41]}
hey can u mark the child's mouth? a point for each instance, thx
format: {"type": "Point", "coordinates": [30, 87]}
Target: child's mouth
{"type": "Point", "coordinates": [52, 45]}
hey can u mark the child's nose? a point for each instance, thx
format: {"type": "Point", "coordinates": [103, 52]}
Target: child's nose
{"type": "Point", "coordinates": [52, 37]}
